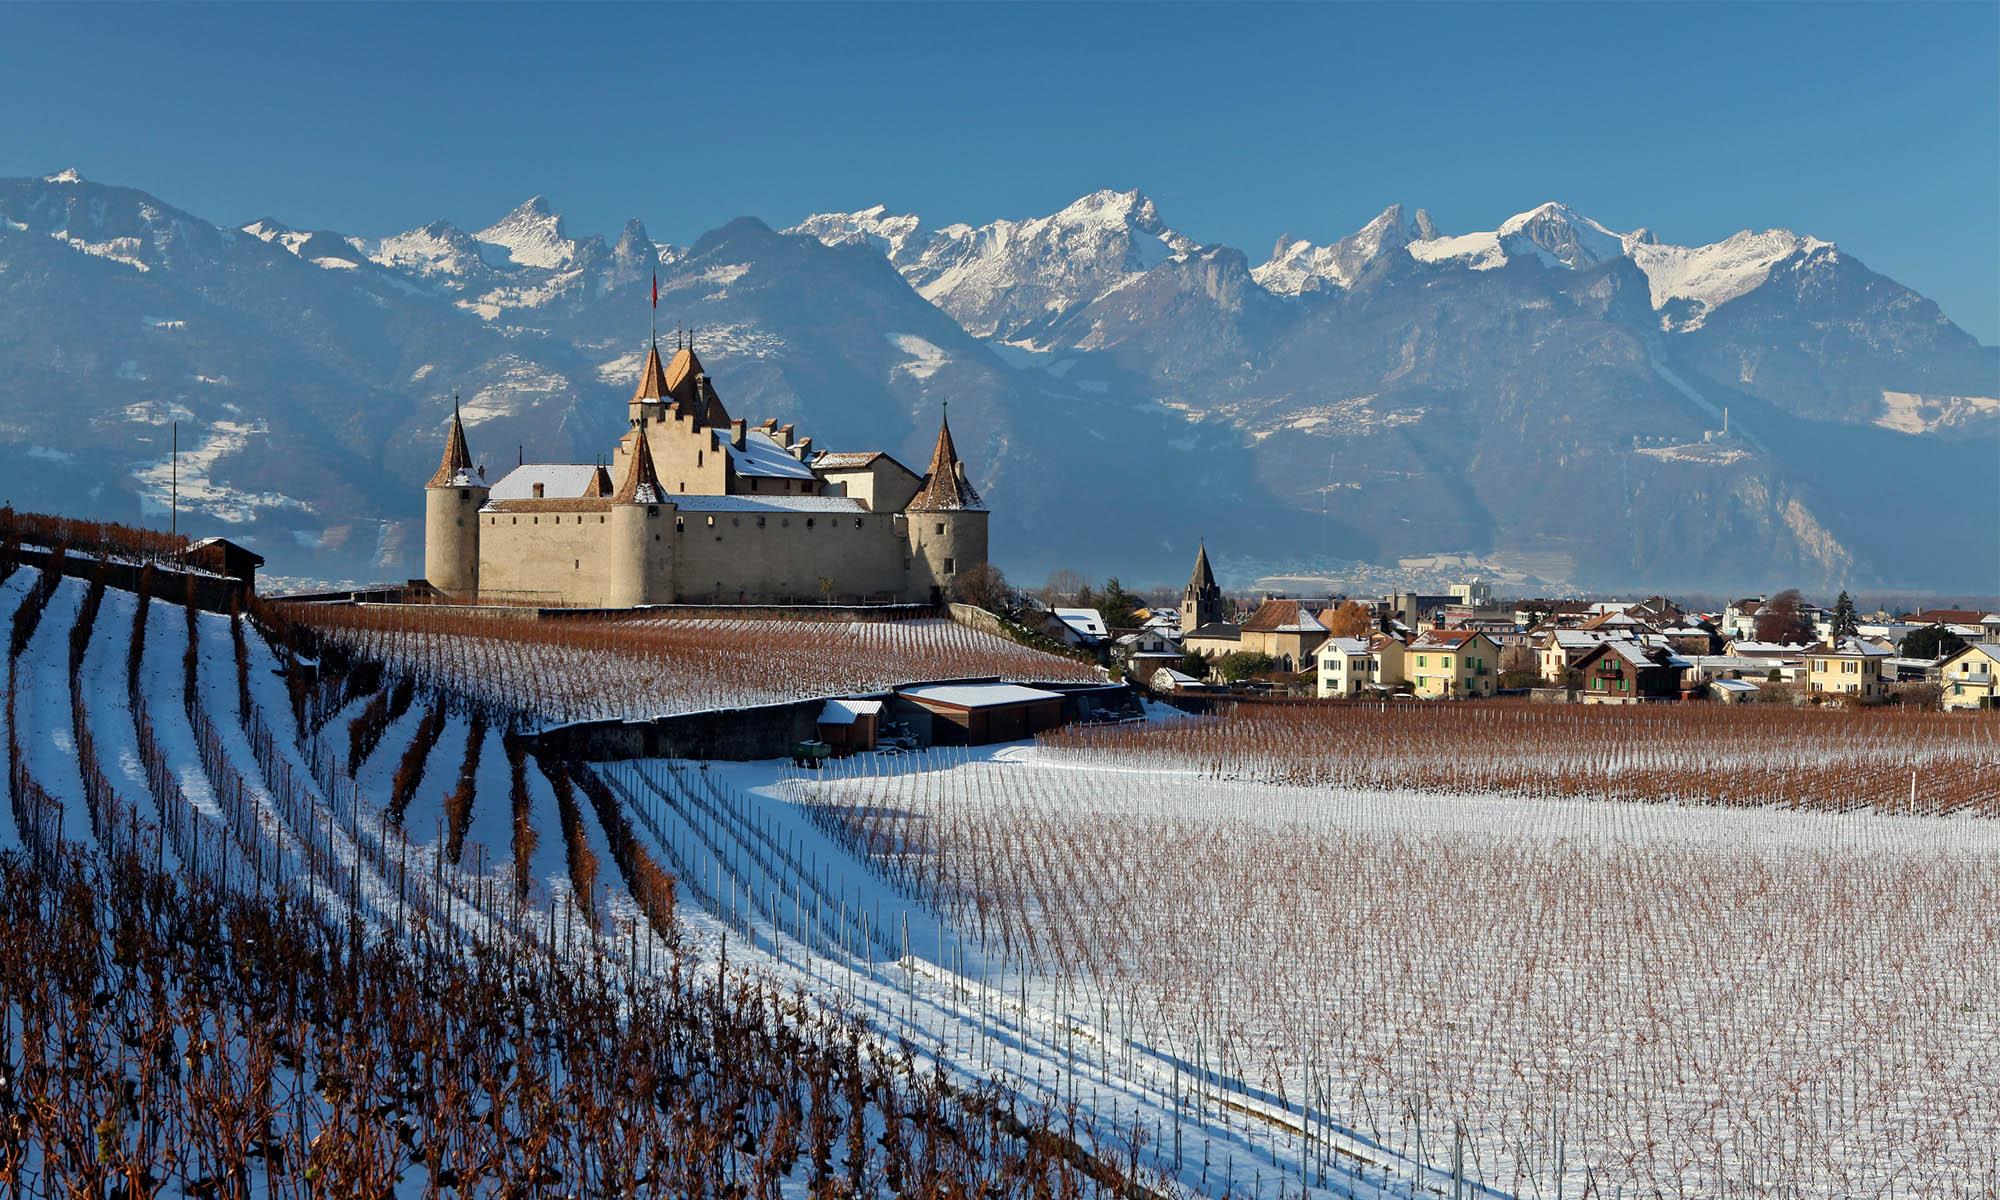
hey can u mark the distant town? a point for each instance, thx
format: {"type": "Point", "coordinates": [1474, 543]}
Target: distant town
{"type": "Point", "coordinates": [1470, 644]}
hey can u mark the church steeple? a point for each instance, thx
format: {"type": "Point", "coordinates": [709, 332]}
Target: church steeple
{"type": "Point", "coordinates": [455, 469]}
{"type": "Point", "coordinates": [1201, 604]}
{"type": "Point", "coordinates": [946, 489]}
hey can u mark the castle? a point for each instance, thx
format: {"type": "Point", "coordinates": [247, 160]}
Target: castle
{"type": "Point", "coordinates": [700, 507]}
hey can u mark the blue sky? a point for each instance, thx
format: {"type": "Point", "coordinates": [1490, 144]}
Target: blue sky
{"type": "Point", "coordinates": [1873, 125]}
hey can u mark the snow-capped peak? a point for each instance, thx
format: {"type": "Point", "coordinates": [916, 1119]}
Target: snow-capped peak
{"type": "Point", "coordinates": [531, 236]}
{"type": "Point", "coordinates": [1702, 277]}
{"type": "Point", "coordinates": [1562, 234]}
{"type": "Point", "coordinates": [900, 237]}
{"type": "Point", "coordinates": [1297, 266]}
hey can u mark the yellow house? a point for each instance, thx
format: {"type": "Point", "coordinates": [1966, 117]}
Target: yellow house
{"type": "Point", "coordinates": [1387, 655]}
{"type": "Point", "coordinates": [1452, 664]}
{"type": "Point", "coordinates": [1971, 677]}
{"type": "Point", "coordinates": [1849, 667]}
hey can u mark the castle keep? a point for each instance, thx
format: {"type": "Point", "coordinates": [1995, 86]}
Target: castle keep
{"type": "Point", "coordinates": [700, 507]}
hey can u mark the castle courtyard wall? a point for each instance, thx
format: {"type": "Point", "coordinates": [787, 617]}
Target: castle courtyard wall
{"type": "Point", "coordinates": [750, 557]}
{"type": "Point", "coordinates": [545, 558]}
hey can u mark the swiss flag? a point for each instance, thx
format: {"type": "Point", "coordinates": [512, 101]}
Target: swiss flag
{"type": "Point", "coordinates": [656, 289]}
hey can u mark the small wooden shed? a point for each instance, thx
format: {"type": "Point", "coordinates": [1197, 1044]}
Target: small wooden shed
{"type": "Point", "coordinates": [850, 725]}
{"type": "Point", "coordinates": [220, 556]}
{"type": "Point", "coordinates": [975, 714]}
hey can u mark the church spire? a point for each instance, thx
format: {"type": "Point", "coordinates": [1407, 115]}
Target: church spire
{"type": "Point", "coordinates": [946, 488]}
{"type": "Point", "coordinates": [1202, 603]}
{"type": "Point", "coordinates": [455, 469]}
{"type": "Point", "coordinates": [1203, 579]}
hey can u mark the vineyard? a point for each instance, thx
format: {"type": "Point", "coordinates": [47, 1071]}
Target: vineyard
{"type": "Point", "coordinates": [1891, 760]}
{"type": "Point", "coordinates": [356, 935]}
{"type": "Point", "coordinates": [1569, 997]}
{"type": "Point", "coordinates": [284, 920]}
{"type": "Point", "coordinates": [560, 671]}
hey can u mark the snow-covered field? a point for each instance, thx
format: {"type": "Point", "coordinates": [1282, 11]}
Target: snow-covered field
{"type": "Point", "coordinates": [1609, 998]}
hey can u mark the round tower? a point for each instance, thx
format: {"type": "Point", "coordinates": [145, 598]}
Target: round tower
{"type": "Point", "coordinates": [452, 500]}
{"type": "Point", "coordinates": [947, 522]}
{"type": "Point", "coordinates": [640, 566]}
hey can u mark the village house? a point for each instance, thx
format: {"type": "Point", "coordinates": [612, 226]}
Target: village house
{"type": "Point", "coordinates": [1971, 678]}
{"type": "Point", "coordinates": [698, 506]}
{"type": "Point", "coordinates": [1386, 655]}
{"type": "Point", "coordinates": [1452, 664]}
{"type": "Point", "coordinates": [1284, 629]}
{"type": "Point", "coordinates": [1083, 628]}
{"type": "Point", "coordinates": [1344, 668]}
{"type": "Point", "coordinates": [1623, 672]}
{"type": "Point", "coordinates": [1559, 650]}
{"type": "Point", "coordinates": [1849, 667]}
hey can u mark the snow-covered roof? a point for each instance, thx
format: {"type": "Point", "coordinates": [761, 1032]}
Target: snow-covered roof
{"type": "Point", "coordinates": [762, 455]}
{"type": "Point", "coordinates": [978, 695]}
{"type": "Point", "coordinates": [1177, 678]}
{"type": "Point", "coordinates": [1344, 645]}
{"type": "Point", "coordinates": [560, 481]}
{"type": "Point", "coordinates": [767, 504]}
{"type": "Point", "coordinates": [1083, 620]}
{"type": "Point", "coordinates": [1733, 685]}
{"type": "Point", "coordinates": [844, 712]}
{"type": "Point", "coordinates": [846, 460]}
{"type": "Point", "coordinates": [1578, 639]}
{"type": "Point", "coordinates": [1851, 647]}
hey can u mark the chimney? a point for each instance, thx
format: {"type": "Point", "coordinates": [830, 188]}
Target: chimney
{"type": "Point", "coordinates": [737, 428]}
{"type": "Point", "coordinates": [785, 434]}
{"type": "Point", "coordinates": [803, 450]}
{"type": "Point", "coordinates": [538, 491]}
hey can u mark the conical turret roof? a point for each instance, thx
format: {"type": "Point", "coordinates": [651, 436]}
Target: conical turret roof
{"type": "Point", "coordinates": [455, 470]}
{"type": "Point", "coordinates": [946, 489]}
{"type": "Point", "coordinates": [680, 374]}
{"type": "Point", "coordinates": [652, 378]}
{"type": "Point", "coordinates": [641, 484]}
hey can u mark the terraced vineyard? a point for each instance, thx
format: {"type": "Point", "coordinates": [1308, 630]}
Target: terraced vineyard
{"type": "Point", "coordinates": [287, 861]}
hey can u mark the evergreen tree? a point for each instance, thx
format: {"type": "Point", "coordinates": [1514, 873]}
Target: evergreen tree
{"type": "Point", "coordinates": [1843, 617]}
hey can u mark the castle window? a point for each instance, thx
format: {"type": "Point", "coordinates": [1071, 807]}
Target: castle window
{"type": "Point", "coordinates": [940, 528]}
{"type": "Point", "coordinates": [711, 522]}
{"type": "Point", "coordinates": [697, 462]}
{"type": "Point", "coordinates": [857, 522]}
{"type": "Point", "coordinates": [950, 566]}
{"type": "Point", "coordinates": [756, 484]}
{"type": "Point", "coordinates": [809, 522]}
{"type": "Point", "coordinates": [600, 520]}
{"type": "Point", "coordinates": [760, 522]}
{"type": "Point", "coordinates": [680, 523]}
{"type": "Point", "coordinates": [516, 520]}
{"type": "Point", "coordinates": [538, 491]}
{"type": "Point", "coordinates": [684, 486]}
{"type": "Point", "coordinates": [465, 493]}
{"type": "Point", "coordinates": [652, 510]}
{"type": "Point", "coordinates": [578, 564]}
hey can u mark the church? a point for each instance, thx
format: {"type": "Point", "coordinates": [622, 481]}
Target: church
{"type": "Point", "coordinates": [698, 507]}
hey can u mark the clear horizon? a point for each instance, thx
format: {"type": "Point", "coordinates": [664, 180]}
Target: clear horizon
{"type": "Point", "coordinates": [1870, 126]}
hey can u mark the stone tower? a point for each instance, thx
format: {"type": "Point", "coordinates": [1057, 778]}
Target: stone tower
{"type": "Point", "coordinates": [641, 563]}
{"type": "Point", "coordinates": [1202, 603]}
{"type": "Point", "coordinates": [947, 520]}
{"type": "Point", "coordinates": [452, 500]}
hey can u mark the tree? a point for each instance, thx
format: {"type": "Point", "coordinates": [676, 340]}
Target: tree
{"type": "Point", "coordinates": [1062, 585]}
{"type": "Point", "coordinates": [1117, 605]}
{"type": "Point", "coordinates": [1843, 616]}
{"type": "Point", "coordinates": [1194, 663]}
{"type": "Point", "coordinates": [1780, 619]}
{"type": "Point", "coordinates": [984, 587]}
{"type": "Point", "coordinates": [1239, 665]}
{"type": "Point", "coordinates": [1351, 619]}
{"type": "Point", "coordinates": [1932, 641]}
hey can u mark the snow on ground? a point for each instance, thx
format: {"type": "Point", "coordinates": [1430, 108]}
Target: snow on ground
{"type": "Point", "coordinates": [11, 591]}
{"type": "Point", "coordinates": [1440, 946]}
{"type": "Point", "coordinates": [42, 711]}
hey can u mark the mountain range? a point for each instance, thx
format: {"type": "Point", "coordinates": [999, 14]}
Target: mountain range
{"type": "Point", "coordinates": [1547, 403]}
